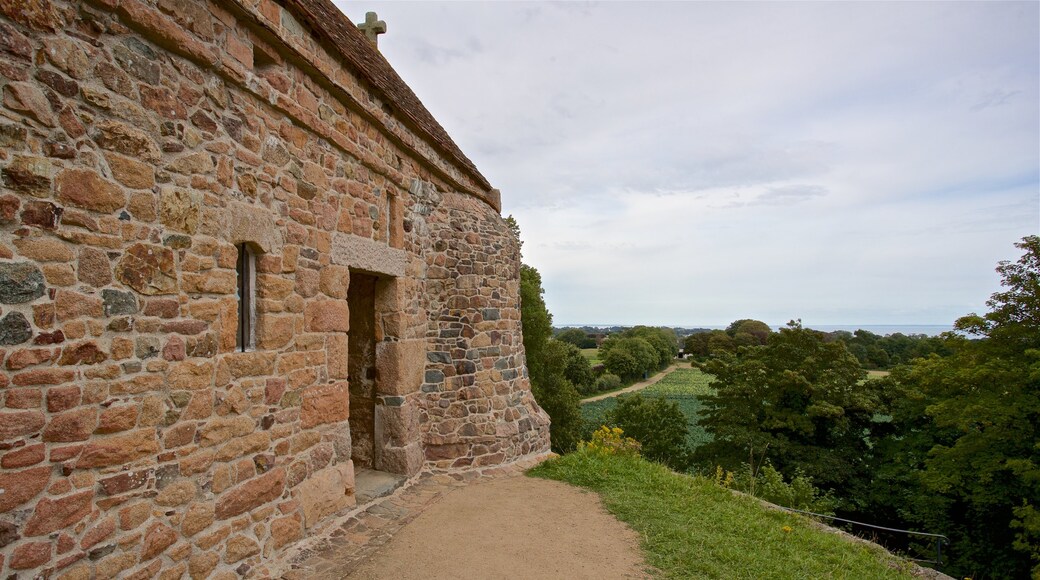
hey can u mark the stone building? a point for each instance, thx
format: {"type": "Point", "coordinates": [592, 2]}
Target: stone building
{"type": "Point", "coordinates": [239, 263]}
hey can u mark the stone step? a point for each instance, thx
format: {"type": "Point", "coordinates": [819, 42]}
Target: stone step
{"type": "Point", "coordinates": [370, 484]}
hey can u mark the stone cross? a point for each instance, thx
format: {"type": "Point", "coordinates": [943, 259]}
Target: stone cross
{"type": "Point", "coordinates": [373, 28]}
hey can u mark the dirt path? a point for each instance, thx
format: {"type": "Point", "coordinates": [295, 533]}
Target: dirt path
{"type": "Point", "coordinates": [635, 387]}
{"type": "Point", "coordinates": [513, 527]}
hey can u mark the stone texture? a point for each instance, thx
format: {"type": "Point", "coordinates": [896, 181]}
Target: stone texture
{"type": "Point", "coordinates": [118, 450]}
{"type": "Point", "coordinates": [240, 548]}
{"type": "Point", "coordinates": [198, 517]}
{"type": "Point", "coordinates": [76, 425]}
{"type": "Point", "coordinates": [327, 316]}
{"type": "Point", "coordinates": [30, 555]}
{"type": "Point", "coordinates": [326, 492]}
{"type": "Point", "coordinates": [116, 302]}
{"type": "Point", "coordinates": [325, 404]}
{"type": "Point", "coordinates": [21, 486]}
{"type": "Point", "coordinates": [31, 175]}
{"type": "Point", "coordinates": [41, 214]}
{"type": "Point", "coordinates": [131, 172]}
{"type": "Point", "coordinates": [156, 540]}
{"type": "Point", "coordinates": [20, 282]}
{"type": "Point", "coordinates": [148, 269]}
{"type": "Point", "coordinates": [251, 494]}
{"type": "Point", "coordinates": [14, 329]}
{"type": "Point", "coordinates": [29, 100]}
{"type": "Point", "coordinates": [180, 209]}
{"type": "Point", "coordinates": [176, 494]}
{"type": "Point", "coordinates": [54, 514]}
{"type": "Point", "coordinates": [93, 267]}
{"type": "Point", "coordinates": [18, 423]}
{"type": "Point", "coordinates": [86, 189]}
{"type": "Point", "coordinates": [129, 141]}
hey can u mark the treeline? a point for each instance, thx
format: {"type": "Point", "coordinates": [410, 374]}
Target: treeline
{"type": "Point", "coordinates": [883, 352]}
{"type": "Point", "coordinates": [873, 351]}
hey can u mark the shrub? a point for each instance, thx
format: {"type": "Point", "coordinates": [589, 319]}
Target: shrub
{"type": "Point", "coordinates": [609, 441]}
{"type": "Point", "coordinates": [608, 382]}
{"type": "Point", "coordinates": [558, 397]}
{"type": "Point", "coordinates": [658, 424]}
{"type": "Point", "coordinates": [768, 484]}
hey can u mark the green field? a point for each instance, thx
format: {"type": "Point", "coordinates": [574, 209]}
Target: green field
{"type": "Point", "coordinates": [683, 385]}
{"type": "Point", "coordinates": [592, 354]}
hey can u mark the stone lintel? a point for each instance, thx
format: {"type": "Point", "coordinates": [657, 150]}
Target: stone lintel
{"type": "Point", "coordinates": [370, 256]}
{"type": "Point", "coordinates": [253, 224]}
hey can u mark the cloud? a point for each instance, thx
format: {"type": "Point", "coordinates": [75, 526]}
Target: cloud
{"type": "Point", "coordinates": [837, 162]}
{"type": "Point", "coordinates": [994, 98]}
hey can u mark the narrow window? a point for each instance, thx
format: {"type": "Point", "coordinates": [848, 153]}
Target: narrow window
{"type": "Point", "coordinates": [389, 216]}
{"type": "Point", "coordinates": [246, 268]}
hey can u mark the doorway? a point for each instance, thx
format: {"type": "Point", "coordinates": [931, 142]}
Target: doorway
{"type": "Point", "coordinates": [361, 369]}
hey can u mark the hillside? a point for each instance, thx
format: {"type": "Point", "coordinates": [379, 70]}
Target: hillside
{"type": "Point", "coordinates": [692, 528]}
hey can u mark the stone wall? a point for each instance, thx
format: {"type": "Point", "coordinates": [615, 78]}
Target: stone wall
{"type": "Point", "coordinates": [143, 142]}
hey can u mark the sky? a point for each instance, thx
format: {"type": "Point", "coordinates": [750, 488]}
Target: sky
{"type": "Point", "coordinates": [694, 163]}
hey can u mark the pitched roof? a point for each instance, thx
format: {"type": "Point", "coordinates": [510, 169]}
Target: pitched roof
{"type": "Point", "coordinates": [328, 21]}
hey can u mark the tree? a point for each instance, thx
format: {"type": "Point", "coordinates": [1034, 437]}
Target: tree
{"type": "Point", "coordinates": [628, 357]}
{"type": "Point", "coordinates": [658, 424]}
{"type": "Point", "coordinates": [798, 401]}
{"type": "Point", "coordinates": [662, 340]}
{"type": "Point", "coordinates": [577, 337]}
{"type": "Point", "coordinates": [967, 427]}
{"type": "Point", "coordinates": [696, 345]}
{"type": "Point", "coordinates": [755, 332]}
{"type": "Point", "coordinates": [534, 317]}
{"type": "Point", "coordinates": [547, 363]}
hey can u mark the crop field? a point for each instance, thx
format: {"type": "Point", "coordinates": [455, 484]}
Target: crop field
{"type": "Point", "coordinates": [684, 386]}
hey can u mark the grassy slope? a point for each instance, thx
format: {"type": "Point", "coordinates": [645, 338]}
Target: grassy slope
{"type": "Point", "coordinates": [692, 528]}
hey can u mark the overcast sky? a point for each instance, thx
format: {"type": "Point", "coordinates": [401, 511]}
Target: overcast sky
{"type": "Point", "coordinates": [696, 163]}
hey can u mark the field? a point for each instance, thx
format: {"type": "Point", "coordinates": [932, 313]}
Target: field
{"type": "Point", "coordinates": [683, 386]}
{"type": "Point", "coordinates": [592, 354]}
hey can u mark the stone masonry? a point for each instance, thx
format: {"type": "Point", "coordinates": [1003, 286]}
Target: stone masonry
{"type": "Point", "coordinates": [239, 261]}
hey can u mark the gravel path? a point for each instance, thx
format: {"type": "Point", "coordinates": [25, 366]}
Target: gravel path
{"type": "Point", "coordinates": [513, 527]}
{"type": "Point", "coordinates": [482, 523]}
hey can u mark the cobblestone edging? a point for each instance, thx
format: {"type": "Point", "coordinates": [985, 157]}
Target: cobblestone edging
{"type": "Point", "coordinates": [347, 542]}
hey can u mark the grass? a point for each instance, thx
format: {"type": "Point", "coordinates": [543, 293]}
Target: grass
{"type": "Point", "coordinates": [692, 528]}
{"type": "Point", "coordinates": [592, 354]}
{"type": "Point", "coordinates": [683, 385]}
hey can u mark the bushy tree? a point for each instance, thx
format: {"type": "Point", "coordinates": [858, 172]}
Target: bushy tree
{"type": "Point", "coordinates": [628, 357]}
{"type": "Point", "coordinates": [662, 340]}
{"type": "Point", "coordinates": [659, 425]}
{"type": "Point", "coordinates": [576, 369]}
{"type": "Point", "coordinates": [797, 400]}
{"type": "Point", "coordinates": [749, 332]}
